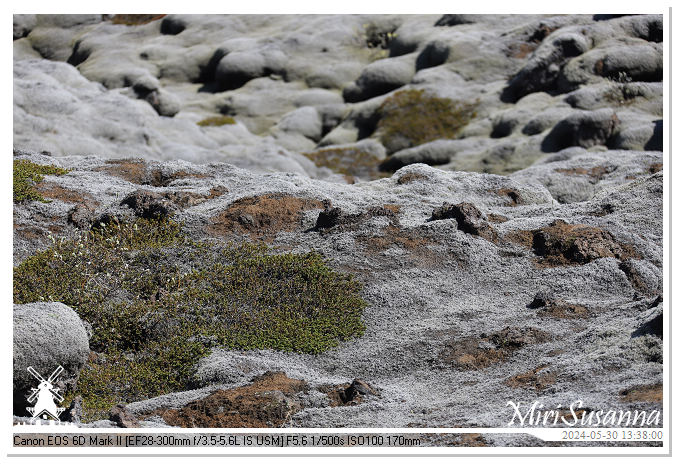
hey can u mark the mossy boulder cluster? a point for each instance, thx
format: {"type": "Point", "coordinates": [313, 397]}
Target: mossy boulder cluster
{"type": "Point", "coordinates": [493, 93]}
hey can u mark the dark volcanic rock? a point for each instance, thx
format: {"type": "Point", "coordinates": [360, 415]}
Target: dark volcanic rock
{"type": "Point", "coordinates": [331, 217]}
{"type": "Point", "coordinates": [470, 219]}
{"type": "Point", "coordinates": [147, 204]}
{"type": "Point", "coordinates": [349, 394]}
{"type": "Point", "coordinates": [562, 244]}
{"type": "Point", "coordinates": [584, 129]}
{"type": "Point", "coordinates": [449, 20]}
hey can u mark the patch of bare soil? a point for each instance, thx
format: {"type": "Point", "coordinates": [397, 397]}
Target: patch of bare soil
{"type": "Point", "coordinates": [563, 244]}
{"type": "Point", "coordinates": [410, 177]}
{"type": "Point", "coordinates": [137, 172]}
{"type": "Point", "coordinates": [393, 208]}
{"type": "Point", "coordinates": [480, 352]}
{"type": "Point", "coordinates": [414, 241]}
{"type": "Point", "coordinates": [521, 50]}
{"type": "Point", "coordinates": [54, 191]}
{"type": "Point", "coordinates": [535, 379]}
{"type": "Point", "coordinates": [642, 394]}
{"type": "Point", "coordinates": [262, 216]}
{"type": "Point", "coordinates": [596, 173]}
{"type": "Point", "coordinates": [564, 311]}
{"type": "Point", "coordinates": [393, 236]}
{"type": "Point", "coordinates": [34, 233]}
{"type": "Point", "coordinates": [131, 170]}
{"type": "Point", "coordinates": [267, 402]}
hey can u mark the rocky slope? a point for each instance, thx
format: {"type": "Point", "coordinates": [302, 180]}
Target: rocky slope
{"type": "Point", "coordinates": [480, 288]}
{"type": "Point", "coordinates": [527, 265]}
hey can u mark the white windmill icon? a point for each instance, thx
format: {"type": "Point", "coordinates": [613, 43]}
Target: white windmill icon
{"type": "Point", "coordinates": [45, 406]}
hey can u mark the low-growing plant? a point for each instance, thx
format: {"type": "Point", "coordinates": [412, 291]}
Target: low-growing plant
{"type": "Point", "coordinates": [27, 175]}
{"type": "Point", "coordinates": [412, 117]}
{"type": "Point", "coordinates": [216, 121]}
{"type": "Point", "coordinates": [158, 302]}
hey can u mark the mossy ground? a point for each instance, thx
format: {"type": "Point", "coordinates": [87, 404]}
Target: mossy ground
{"type": "Point", "coordinates": [135, 19]}
{"type": "Point", "coordinates": [412, 117]}
{"type": "Point", "coordinates": [216, 121]}
{"type": "Point", "coordinates": [349, 161]}
{"type": "Point", "coordinates": [26, 175]}
{"type": "Point", "coordinates": [158, 302]}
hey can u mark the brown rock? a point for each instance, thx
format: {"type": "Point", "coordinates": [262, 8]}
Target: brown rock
{"type": "Point", "coordinates": [123, 417]}
{"type": "Point", "coordinates": [566, 244]}
{"type": "Point", "coordinates": [268, 401]}
{"type": "Point", "coordinates": [263, 216]}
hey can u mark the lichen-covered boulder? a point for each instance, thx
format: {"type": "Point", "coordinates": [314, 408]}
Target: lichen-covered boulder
{"type": "Point", "coordinates": [46, 336]}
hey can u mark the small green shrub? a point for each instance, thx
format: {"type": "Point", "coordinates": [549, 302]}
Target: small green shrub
{"type": "Point", "coordinates": [412, 117]}
{"type": "Point", "coordinates": [26, 175]}
{"type": "Point", "coordinates": [216, 121]}
{"type": "Point", "coordinates": [157, 302]}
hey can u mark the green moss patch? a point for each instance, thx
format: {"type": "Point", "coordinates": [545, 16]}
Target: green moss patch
{"type": "Point", "coordinates": [158, 302]}
{"type": "Point", "coordinates": [216, 121]}
{"type": "Point", "coordinates": [26, 175]}
{"type": "Point", "coordinates": [412, 117]}
{"type": "Point", "coordinates": [349, 161]}
{"type": "Point", "coordinates": [135, 19]}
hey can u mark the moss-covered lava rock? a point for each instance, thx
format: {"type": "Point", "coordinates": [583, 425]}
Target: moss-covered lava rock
{"type": "Point", "coordinates": [413, 117]}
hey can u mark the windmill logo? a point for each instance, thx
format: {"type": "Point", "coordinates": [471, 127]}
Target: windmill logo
{"type": "Point", "coordinates": [44, 396]}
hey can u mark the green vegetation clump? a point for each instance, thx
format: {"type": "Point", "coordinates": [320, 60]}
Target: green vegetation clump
{"type": "Point", "coordinates": [216, 121]}
{"type": "Point", "coordinates": [349, 161]}
{"type": "Point", "coordinates": [412, 117]}
{"type": "Point", "coordinates": [158, 302]}
{"type": "Point", "coordinates": [26, 175]}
